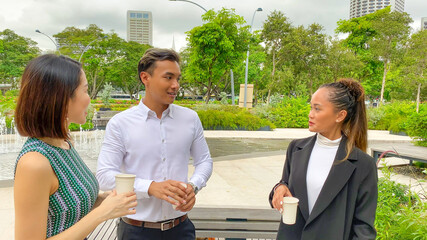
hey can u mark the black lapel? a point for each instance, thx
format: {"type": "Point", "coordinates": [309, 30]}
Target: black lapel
{"type": "Point", "coordinates": [299, 170]}
{"type": "Point", "coordinates": [338, 176]}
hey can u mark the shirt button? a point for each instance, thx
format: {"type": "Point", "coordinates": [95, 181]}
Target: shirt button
{"type": "Point", "coordinates": [163, 140]}
{"type": "Point", "coordinates": [164, 178]}
{"type": "Point", "coordinates": [164, 159]}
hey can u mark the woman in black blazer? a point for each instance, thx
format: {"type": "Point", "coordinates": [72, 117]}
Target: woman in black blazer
{"type": "Point", "coordinates": [330, 173]}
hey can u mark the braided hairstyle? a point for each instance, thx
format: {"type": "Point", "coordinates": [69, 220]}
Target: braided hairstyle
{"type": "Point", "coordinates": [349, 95]}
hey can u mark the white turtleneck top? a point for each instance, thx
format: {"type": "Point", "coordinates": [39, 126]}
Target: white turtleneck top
{"type": "Point", "coordinates": [319, 165]}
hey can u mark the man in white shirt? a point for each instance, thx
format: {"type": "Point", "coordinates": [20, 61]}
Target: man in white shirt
{"type": "Point", "coordinates": [155, 141]}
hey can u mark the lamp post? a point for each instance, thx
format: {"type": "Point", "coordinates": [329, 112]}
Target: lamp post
{"type": "Point", "coordinates": [87, 46]}
{"type": "Point", "coordinates": [189, 2]}
{"type": "Point", "coordinates": [56, 44]}
{"type": "Point", "coordinates": [247, 60]}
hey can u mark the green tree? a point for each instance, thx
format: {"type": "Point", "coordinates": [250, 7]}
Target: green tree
{"type": "Point", "coordinates": [96, 58]}
{"type": "Point", "coordinates": [257, 73]}
{"type": "Point", "coordinates": [216, 47]}
{"type": "Point", "coordinates": [306, 51]}
{"type": "Point", "coordinates": [15, 52]}
{"type": "Point", "coordinates": [416, 62]}
{"type": "Point", "coordinates": [73, 41]}
{"type": "Point", "coordinates": [275, 34]}
{"type": "Point", "coordinates": [341, 61]}
{"type": "Point", "coordinates": [123, 72]}
{"type": "Point", "coordinates": [391, 31]}
{"type": "Point", "coordinates": [360, 31]}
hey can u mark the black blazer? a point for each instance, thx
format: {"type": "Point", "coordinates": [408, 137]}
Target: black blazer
{"type": "Point", "coordinates": [345, 208]}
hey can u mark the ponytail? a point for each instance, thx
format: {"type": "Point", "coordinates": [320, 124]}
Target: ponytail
{"type": "Point", "coordinates": [349, 95]}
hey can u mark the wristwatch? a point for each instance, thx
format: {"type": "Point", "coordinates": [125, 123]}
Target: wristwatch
{"type": "Point", "coordinates": [195, 188]}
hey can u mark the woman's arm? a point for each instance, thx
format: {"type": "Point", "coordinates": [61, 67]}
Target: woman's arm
{"type": "Point", "coordinates": [34, 182]}
{"type": "Point", "coordinates": [101, 197]}
{"type": "Point", "coordinates": [366, 205]}
{"type": "Point", "coordinates": [281, 189]}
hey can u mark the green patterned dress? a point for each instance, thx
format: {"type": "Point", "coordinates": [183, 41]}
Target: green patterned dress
{"type": "Point", "coordinates": [78, 187]}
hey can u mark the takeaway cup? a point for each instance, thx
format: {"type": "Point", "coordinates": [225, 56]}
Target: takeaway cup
{"type": "Point", "coordinates": [289, 214]}
{"type": "Point", "coordinates": [124, 183]}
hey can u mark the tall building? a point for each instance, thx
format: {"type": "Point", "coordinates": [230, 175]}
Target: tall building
{"type": "Point", "coordinates": [140, 27]}
{"type": "Point", "coordinates": [424, 23]}
{"type": "Point", "coordinates": [359, 8]}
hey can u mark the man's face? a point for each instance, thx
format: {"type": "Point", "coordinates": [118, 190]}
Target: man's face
{"type": "Point", "coordinates": [163, 84]}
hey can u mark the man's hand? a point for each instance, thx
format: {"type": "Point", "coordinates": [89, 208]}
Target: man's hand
{"type": "Point", "coordinates": [191, 200]}
{"type": "Point", "coordinates": [170, 191]}
{"type": "Point", "coordinates": [280, 192]}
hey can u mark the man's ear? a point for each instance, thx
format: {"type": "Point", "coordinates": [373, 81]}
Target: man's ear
{"type": "Point", "coordinates": [145, 76]}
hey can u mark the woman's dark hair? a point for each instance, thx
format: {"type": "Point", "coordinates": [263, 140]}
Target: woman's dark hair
{"type": "Point", "coordinates": [152, 55]}
{"type": "Point", "coordinates": [47, 85]}
{"type": "Point", "coordinates": [349, 95]}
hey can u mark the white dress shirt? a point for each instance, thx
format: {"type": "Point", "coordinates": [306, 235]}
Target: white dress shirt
{"type": "Point", "coordinates": [137, 142]}
{"type": "Point", "coordinates": [320, 164]}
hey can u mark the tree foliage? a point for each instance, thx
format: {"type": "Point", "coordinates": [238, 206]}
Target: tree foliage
{"type": "Point", "coordinates": [216, 47]}
{"type": "Point", "coordinates": [15, 52]}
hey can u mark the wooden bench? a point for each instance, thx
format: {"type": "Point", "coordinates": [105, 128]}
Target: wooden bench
{"type": "Point", "coordinates": [105, 231]}
{"type": "Point", "coordinates": [405, 151]}
{"type": "Point", "coordinates": [213, 222]}
{"type": "Point", "coordinates": [230, 222]}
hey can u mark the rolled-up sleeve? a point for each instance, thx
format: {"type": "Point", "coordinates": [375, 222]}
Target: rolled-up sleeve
{"type": "Point", "coordinates": [202, 160]}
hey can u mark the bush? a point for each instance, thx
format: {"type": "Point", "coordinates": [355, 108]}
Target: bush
{"type": "Point", "coordinates": [417, 126]}
{"type": "Point", "coordinates": [400, 214]}
{"type": "Point", "coordinates": [288, 113]}
{"type": "Point", "coordinates": [12, 93]}
{"type": "Point", "coordinates": [391, 116]}
{"type": "Point", "coordinates": [217, 117]}
{"type": "Point", "coordinates": [106, 94]}
{"type": "Point", "coordinates": [76, 127]}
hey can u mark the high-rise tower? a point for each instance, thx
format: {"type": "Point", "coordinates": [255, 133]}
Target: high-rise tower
{"type": "Point", "coordinates": [359, 8]}
{"type": "Point", "coordinates": [140, 27]}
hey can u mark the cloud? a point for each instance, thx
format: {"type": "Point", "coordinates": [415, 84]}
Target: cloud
{"type": "Point", "coordinates": [169, 18]}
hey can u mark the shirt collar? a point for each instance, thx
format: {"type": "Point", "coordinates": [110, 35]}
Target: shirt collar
{"type": "Point", "coordinates": [148, 112]}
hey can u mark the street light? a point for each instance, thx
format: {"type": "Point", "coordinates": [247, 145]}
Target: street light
{"type": "Point", "coordinates": [247, 59]}
{"type": "Point", "coordinates": [87, 46]}
{"type": "Point", "coordinates": [56, 44]}
{"type": "Point", "coordinates": [189, 2]}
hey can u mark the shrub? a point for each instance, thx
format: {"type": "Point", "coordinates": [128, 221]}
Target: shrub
{"type": "Point", "coordinates": [417, 126]}
{"type": "Point", "coordinates": [289, 113]}
{"type": "Point", "coordinates": [76, 127]}
{"type": "Point", "coordinates": [391, 116]}
{"type": "Point", "coordinates": [106, 94]}
{"type": "Point", "coordinates": [400, 214]}
{"type": "Point", "coordinates": [217, 117]}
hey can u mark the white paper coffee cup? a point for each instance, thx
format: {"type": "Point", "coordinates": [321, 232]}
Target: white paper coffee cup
{"type": "Point", "coordinates": [124, 182]}
{"type": "Point", "coordinates": [289, 214]}
{"type": "Point", "coordinates": [175, 205]}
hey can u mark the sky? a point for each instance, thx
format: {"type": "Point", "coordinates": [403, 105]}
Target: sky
{"type": "Point", "coordinates": [171, 19]}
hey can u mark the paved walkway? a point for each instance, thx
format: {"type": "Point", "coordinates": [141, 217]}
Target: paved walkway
{"type": "Point", "coordinates": [241, 180]}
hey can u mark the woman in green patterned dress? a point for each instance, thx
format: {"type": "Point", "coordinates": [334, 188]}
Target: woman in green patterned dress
{"type": "Point", "coordinates": [55, 193]}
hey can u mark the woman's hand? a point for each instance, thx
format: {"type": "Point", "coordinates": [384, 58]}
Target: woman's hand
{"type": "Point", "coordinates": [280, 192]}
{"type": "Point", "coordinates": [101, 197]}
{"type": "Point", "coordinates": [118, 205]}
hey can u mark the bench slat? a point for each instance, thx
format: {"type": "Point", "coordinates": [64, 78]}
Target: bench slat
{"type": "Point", "coordinates": [225, 225]}
{"type": "Point", "coordinates": [106, 230]}
{"type": "Point", "coordinates": [236, 234]}
{"type": "Point", "coordinates": [261, 214]}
